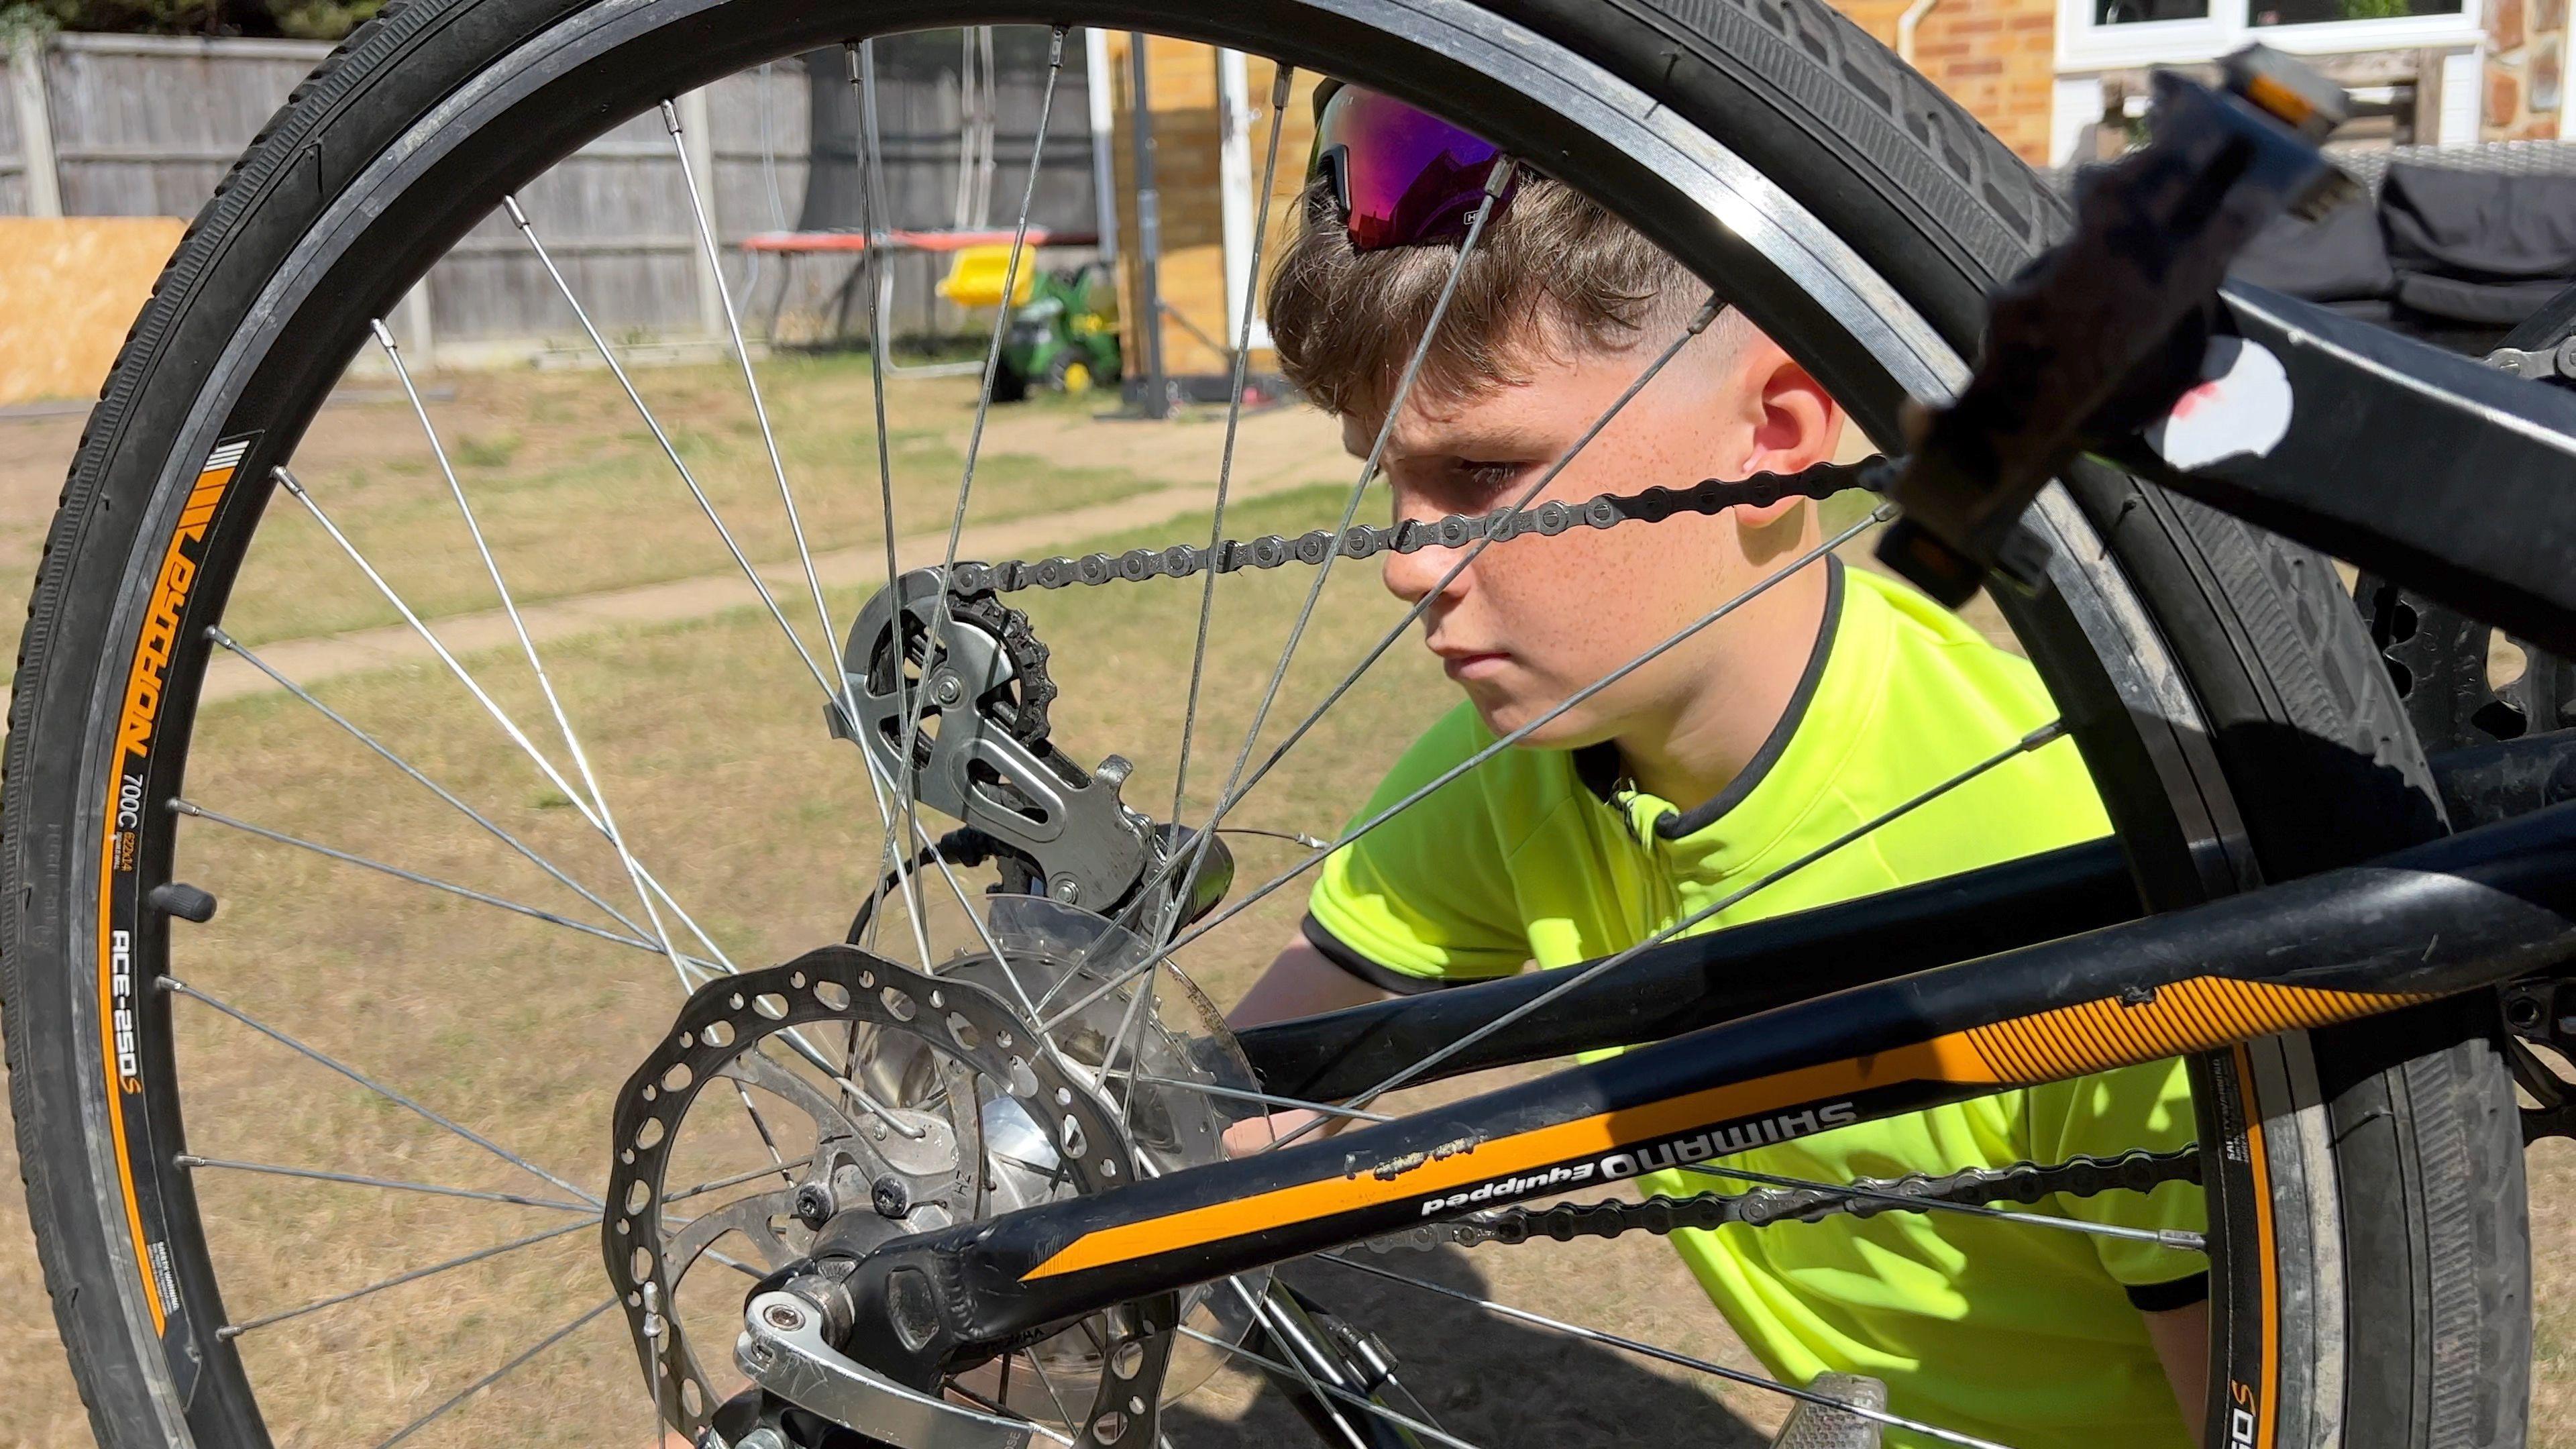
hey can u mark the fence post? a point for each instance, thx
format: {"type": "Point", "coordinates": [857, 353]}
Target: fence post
{"type": "Point", "coordinates": [697, 134]}
{"type": "Point", "coordinates": [420, 339]}
{"type": "Point", "coordinates": [35, 125]}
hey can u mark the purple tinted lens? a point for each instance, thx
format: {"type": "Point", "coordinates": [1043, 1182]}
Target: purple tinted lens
{"type": "Point", "coordinates": [1407, 175]}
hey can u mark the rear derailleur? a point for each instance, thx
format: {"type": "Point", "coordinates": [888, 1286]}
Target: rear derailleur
{"type": "Point", "coordinates": [1055, 1060]}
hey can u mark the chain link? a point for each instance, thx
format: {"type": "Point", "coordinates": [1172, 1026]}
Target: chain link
{"type": "Point", "coordinates": [1270, 551]}
{"type": "Point", "coordinates": [2023, 1182]}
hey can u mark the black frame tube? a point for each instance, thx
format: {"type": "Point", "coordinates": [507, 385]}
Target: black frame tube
{"type": "Point", "coordinates": [2454, 915]}
{"type": "Point", "coordinates": [2447, 475]}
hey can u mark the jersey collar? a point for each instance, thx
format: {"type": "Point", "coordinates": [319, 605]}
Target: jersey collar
{"type": "Point", "coordinates": [1602, 771]}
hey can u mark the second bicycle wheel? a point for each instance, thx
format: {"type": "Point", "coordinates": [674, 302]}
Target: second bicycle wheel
{"type": "Point", "coordinates": [480, 735]}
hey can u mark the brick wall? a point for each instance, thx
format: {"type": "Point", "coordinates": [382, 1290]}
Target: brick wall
{"type": "Point", "coordinates": [1993, 57]}
{"type": "Point", "coordinates": [2525, 69]}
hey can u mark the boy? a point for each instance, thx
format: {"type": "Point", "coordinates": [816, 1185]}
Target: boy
{"type": "Point", "coordinates": [1831, 698]}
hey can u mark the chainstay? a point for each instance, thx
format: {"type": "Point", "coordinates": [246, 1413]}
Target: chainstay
{"type": "Point", "coordinates": [2023, 1182]}
{"type": "Point", "coordinates": [1270, 551]}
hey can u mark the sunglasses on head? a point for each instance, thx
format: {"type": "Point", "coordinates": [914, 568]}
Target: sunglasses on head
{"type": "Point", "coordinates": [1400, 176]}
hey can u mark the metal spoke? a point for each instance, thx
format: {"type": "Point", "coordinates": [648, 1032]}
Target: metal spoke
{"type": "Point", "coordinates": [670, 450]}
{"type": "Point", "coordinates": [2034, 740]}
{"type": "Point", "coordinates": [1356, 1401]}
{"type": "Point", "coordinates": [286, 479]}
{"type": "Point", "coordinates": [496, 1375]}
{"type": "Point", "coordinates": [983, 401]}
{"type": "Point", "coordinates": [216, 817]}
{"type": "Point", "coordinates": [739, 1178]}
{"type": "Point", "coordinates": [536, 665]}
{"type": "Point", "coordinates": [1236, 1094]}
{"type": "Point", "coordinates": [863, 74]}
{"type": "Point", "coordinates": [1233, 422]}
{"type": "Point", "coordinates": [2178, 1239]}
{"type": "Point", "coordinates": [173, 983]}
{"type": "Point", "coordinates": [236, 1330]}
{"type": "Point", "coordinates": [751, 383]}
{"type": "Point", "coordinates": [244, 652]}
{"type": "Point", "coordinates": [1665, 1355]}
{"type": "Point", "coordinates": [315, 1174]}
{"type": "Point", "coordinates": [1876, 516]}
{"type": "Point", "coordinates": [1495, 181]}
{"type": "Point", "coordinates": [1266, 1314]}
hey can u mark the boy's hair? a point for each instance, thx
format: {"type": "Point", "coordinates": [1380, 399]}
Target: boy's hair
{"type": "Point", "coordinates": [1552, 273]}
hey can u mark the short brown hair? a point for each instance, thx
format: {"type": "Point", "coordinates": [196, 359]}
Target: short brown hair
{"type": "Point", "coordinates": [1551, 271]}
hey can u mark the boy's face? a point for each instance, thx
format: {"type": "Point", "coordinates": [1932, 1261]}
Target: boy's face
{"type": "Point", "coordinates": [1536, 619]}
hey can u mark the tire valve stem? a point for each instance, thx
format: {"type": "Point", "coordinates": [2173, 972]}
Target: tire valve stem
{"type": "Point", "coordinates": [178, 898]}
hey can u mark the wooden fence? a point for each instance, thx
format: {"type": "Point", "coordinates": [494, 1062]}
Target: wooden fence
{"type": "Point", "coordinates": [114, 125]}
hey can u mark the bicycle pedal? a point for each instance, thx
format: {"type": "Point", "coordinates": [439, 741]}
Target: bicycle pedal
{"type": "Point", "coordinates": [1813, 1425]}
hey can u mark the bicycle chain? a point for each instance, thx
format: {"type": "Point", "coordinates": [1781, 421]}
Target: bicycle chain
{"type": "Point", "coordinates": [2023, 1182]}
{"type": "Point", "coordinates": [976, 587]}
{"type": "Point", "coordinates": [1270, 551]}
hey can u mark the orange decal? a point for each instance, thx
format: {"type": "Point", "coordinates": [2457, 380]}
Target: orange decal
{"type": "Point", "coordinates": [144, 678]}
{"type": "Point", "coordinates": [2201, 1014]}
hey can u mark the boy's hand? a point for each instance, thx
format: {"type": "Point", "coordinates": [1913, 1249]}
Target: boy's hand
{"type": "Point", "coordinates": [1301, 981]}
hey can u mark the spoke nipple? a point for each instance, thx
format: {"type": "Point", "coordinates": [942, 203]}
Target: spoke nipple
{"type": "Point", "coordinates": [178, 898]}
{"type": "Point", "coordinates": [671, 117]}
{"type": "Point", "coordinates": [384, 337]}
{"type": "Point", "coordinates": [518, 218]}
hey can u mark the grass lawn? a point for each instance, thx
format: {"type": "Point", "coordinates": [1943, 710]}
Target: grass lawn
{"type": "Point", "coordinates": [708, 745]}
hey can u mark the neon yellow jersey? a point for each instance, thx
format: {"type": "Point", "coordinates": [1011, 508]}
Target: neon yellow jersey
{"type": "Point", "coordinates": [2020, 1334]}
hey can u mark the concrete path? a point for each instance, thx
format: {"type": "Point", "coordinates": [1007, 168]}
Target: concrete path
{"type": "Point", "coordinates": [310, 661]}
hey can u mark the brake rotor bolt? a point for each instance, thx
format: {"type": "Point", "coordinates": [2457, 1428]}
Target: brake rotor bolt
{"type": "Point", "coordinates": [890, 1197]}
{"type": "Point", "coordinates": [783, 1317]}
{"type": "Point", "coordinates": [813, 1204]}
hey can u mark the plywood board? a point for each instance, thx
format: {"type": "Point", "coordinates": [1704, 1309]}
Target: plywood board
{"type": "Point", "coordinates": [69, 289]}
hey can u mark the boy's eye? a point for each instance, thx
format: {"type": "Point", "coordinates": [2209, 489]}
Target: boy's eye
{"type": "Point", "coordinates": [1488, 476]}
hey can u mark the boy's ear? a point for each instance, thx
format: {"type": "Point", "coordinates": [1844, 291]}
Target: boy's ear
{"type": "Point", "coordinates": [1796, 423]}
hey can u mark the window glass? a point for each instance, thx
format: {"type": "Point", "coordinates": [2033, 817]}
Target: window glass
{"type": "Point", "coordinates": [2310, 12]}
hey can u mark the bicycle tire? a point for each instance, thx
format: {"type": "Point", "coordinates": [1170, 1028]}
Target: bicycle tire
{"type": "Point", "coordinates": [2419, 1334]}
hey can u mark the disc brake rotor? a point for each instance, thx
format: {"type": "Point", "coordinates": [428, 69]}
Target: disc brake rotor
{"type": "Point", "coordinates": [934, 1100]}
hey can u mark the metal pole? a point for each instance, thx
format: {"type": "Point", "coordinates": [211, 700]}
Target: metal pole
{"type": "Point", "coordinates": [1157, 399]}
{"type": "Point", "coordinates": [1104, 173]}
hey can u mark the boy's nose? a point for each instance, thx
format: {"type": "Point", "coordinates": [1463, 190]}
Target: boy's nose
{"type": "Point", "coordinates": [1411, 576]}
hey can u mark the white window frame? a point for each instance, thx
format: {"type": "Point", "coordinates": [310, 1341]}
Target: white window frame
{"type": "Point", "coordinates": [2082, 45]}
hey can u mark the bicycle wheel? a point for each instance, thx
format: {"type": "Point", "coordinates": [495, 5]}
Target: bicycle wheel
{"type": "Point", "coordinates": [2364, 1182]}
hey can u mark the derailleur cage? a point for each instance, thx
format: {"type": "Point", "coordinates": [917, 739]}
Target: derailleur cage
{"type": "Point", "coordinates": [964, 683]}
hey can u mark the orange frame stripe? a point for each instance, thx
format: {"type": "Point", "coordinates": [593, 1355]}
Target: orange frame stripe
{"type": "Point", "coordinates": [2201, 1014]}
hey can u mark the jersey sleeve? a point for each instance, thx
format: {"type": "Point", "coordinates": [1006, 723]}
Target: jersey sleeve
{"type": "Point", "coordinates": [2142, 1107]}
{"type": "Point", "coordinates": [1426, 897]}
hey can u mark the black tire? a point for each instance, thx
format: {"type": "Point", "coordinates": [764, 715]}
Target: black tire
{"type": "Point", "coordinates": [2225, 696]}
